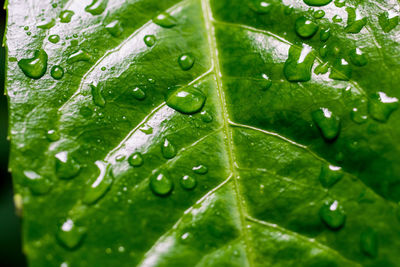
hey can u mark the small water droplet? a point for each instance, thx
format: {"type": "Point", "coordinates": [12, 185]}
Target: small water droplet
{"type": "Point", "coordinates": [165, 20]}
{"type": "Point", "coordinates": [201, 169]}
{"type": "Point", "coordinates": [380, 106]}
{"type": "Point", "coordinates": [53, 135]}
{"type": "Point", "coordinates": [330, 175]}
{"type": "Point", "coordinates": [317, 2]}
{"type": "Point", "coordinates": [161, 184]}
{"type": "Point", "coordinates": [97, 95]}
{"type": "Point", "coordinates": [341, 70]}
{"type": "Point", "coordinates": [188, 182]}
{"type": "Point", "coordinates": [149, 40]}
{"type": "Point", "coordinates": [136, 159]}
{"type": "Point", "coordinates": [186, 61]}
{"type": "Point", "coordinates": [66, 16]}
{"type": "Point", "coordinates": [138, 93]}
{"type": "Point", "coordinates": [206, 116]}
{"type": "Point", "coordinates": [96, 7]}
{"type": "Point", "coordinates": [66, 166]}
{"type": "Point", "coordinates": [337, 18]}
{"type": "Point", "coordinates": [266, 82]}
{"type": "Point", "coordinates": [37, 183]}
{"type": "Point", "coordinates": [324, 34]}
{"type": "Point", "coordinates": [327, 122]}
{"type": "Point", "coordinates": [187, 100]}
{"type": "Point", "coordinates": [323, 51]}
{"type": "Point", "coordinates": [70, 235]}
{"type": "Point", "coordinates": [340, 3]}
{"type": "Point", "coordinates": [354, 23]}
{"type": "Point", "coordinates": [358, 58]}
{"type": "Point", "coordinates": [147, 129]}
{"type": "Point", "coordinates": [305, 28]}
{"type": "Point", "coordinates": [332, 214]}
{"type": "Point", "coordinates": [387, 22]}
{"type": "Point", "coordinates": [79, 56]}
{"type": "Point", "coordinates": [168, 150]}
{"type": "Point", "coordinates": [101, 185]}
{"type": "Point", "coordinates": [36, 66]}
{"type": "Point", "coordinates": [114, 28]}
{"type": "Point", "coordinates": [299, 64]}
{"type": "Point", "coordinates": [369, 243]}
{"type": "Point", "coordinates": [319, 14]}
{"type": "Point", "coordinates": [358, 116]}
{"type": "Point", "coordinates": [47, 24]}
{"type": "Point", "coordinates": [57, 72]}
{"type": "Point", "coordinates": [322, 68]}
{"type": "Point", "coordinates": [260, 6]}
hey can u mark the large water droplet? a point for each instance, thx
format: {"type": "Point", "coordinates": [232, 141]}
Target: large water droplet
{"type": "Point", "coordinates": [96, 7]}
{"type": "Point", "coordinates": [66, 16]}
{"type": "Point", "coordinates": [168, 150]}
{"type": "Point", "coordinates": [358, 58]}
{"type": "Point", "coordinates": [330, 175]}
{"type": "Point", "coordinates": [200, 169]}
{"type": "Point", "coordinates": [97, 96]}
{"type": "Point", "coordinates": [260, 6]}
{"type": "Point", "coordinates": [101, 185]}
{"type": "Point", "coordinates": [36, 66]}
{"type": "Point", "coordinates": [327, 122]}
{"type": "Point", "coordinates": [187, 100]}
{"type": "Point", "coordinates": [138, 93]}
{"type": "Point", "coordinates": [149, 40]}
{"type": "Point", "coordinates": [341, 70]}
{"type": "Point", "coordinates": [332, 214]}
{"type": "Point", "coordinates": [387, 21]}
{"type": "Point", "coordinates": [37, 183]}
{"type": "Point", "coordinates": [305, 28]}
{"type": "Point", "coordinates": [115, 28]}
{"type": "Point", "coordinates": [354, 22]}
{"type": "Point", "coordinates": [369, 242]}
{"type": "Point", "coordinates": [79, 56]}
{"type": "Point", "coordinates": [136, 159]}
{"type": "Point", "coordinates": [188, 182]}
{"type": "Point", "coordinates": [66, 166]}
{"type": "Point", "coordinates": [57, 72]}
{"type": "Point", "coordinates": [165, 20]}
{"type": "Point", "coordinates": [54, 38]}
{"type": "Point", "coordinates": [161, 184]}
{"type": "Point", "coordinates": [186, 61]}
{"type": "Point", "coordinates": [70, 235]}
{"type": "Point", "coordinates": [317, 2]}
{"type": "Point", "coordinates": [299, 63]}
{"type": "Point", "coordinates": [380, 106]}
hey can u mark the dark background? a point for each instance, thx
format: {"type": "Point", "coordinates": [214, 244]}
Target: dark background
{"type": "Point", "coordinates": [10, 233]}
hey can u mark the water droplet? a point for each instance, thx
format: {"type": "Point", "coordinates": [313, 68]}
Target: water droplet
{"type": "Point", "coordinates": [66, 166]}
{"type": "Point", "coordinates": [354, 23]}
{"type": "Point", "coordinates": [299, 63]}
{"type": "Point", "coordinates": [206, 117]}
{"type": "Point", "coordinates": [188, 182]}
{"type": "Point", "coordinates": [322, 68]}
{"type": "Point", "coordinates": [317, 2]}
{"type": "Point", "coordinates": [165, 20]}
{"type": "Point", "coordinates": [260, 6]}
{"type": "Point", "coordinates": [136, 159]}
{"type": "Point", "coordinates": [161, 184]}
{"type": "Point", "coordinates": [138, 93]}
{"type": "Point", "coordinates": [380, 106]}
{"type": "Point", "coordinates": [37, 183]}
{"type": "Point", "coordinates": [96, 7]}
{"type": "Point", "coordinates": [168, 150]}
{"type": "Point", "coordinates": [330, 175]}
{"type": "Point", "coordinates": [47, 24]}
{"type": "Point", "coordinates": [70, 235]}
{"type": "Point", "coordinates": [369, 242]}
{"type": "Point", "coordinates": [66, 16]}
{"type": "Point", "coordinates": [149, 40]}
{"type": "Point", "coordinates": [147, 129]}
{"type": "Point", "coordinates": [187, 100]}
{"type": "Point", "coordinates": [288, 10]}
{"type": "Point", "coordinates": [337, 18]}
{"type": "Point", "coordinates": [97, 96]}
{"type": "Point", "coordinates": [387, 22]}
{"type": "Point", "coordinates": [36, 66]}
{"type": "Point", "coordinates": [114, 28]}
{"type": "Point", "coordinates": [332, 214]}
{"type": "Point", "coordinates": [186, 61]}
{"type": "Point", "coordinates": [358, 58]}
{"type": "Point", "coordinates": [341, 70]}
{"type": "Point", "coordinates": [319, 14]}
{"type": "Point", "coordinates": [266, 82]}
{"type": "Point", "coordinates": [53, 135]}
{"type": "Point", "coordinates": [340, 3]}
{"type": "Point", "coordinates": [305, 28]}
{"type": "Point", "coordinates": [79, 56]}
{"type": "Point", "coordinates": [101, 185]}
{"type": "Point", "coordinates": [324, 34]}
{"type": "Point", "coordinates": [57, 72]}
{"type": "Point", "coordinates": [201, 169]}
{"type": "Point", "coordinates": [358, 116]}
{"type": "Point", "coordinates": [323, 51]}
{"type": "Point", "coordinates": [327, 122]}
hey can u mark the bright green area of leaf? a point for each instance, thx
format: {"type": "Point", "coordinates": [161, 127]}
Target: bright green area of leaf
{"type": "Point", "coordinates": [107, 173]}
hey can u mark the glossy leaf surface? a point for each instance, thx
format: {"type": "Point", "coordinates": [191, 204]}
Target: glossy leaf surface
{"type": "Point", "coordinates": [206, 132]}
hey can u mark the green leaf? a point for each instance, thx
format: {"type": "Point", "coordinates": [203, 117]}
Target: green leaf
{"type": "Point", "coordinates": [206, 132]}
